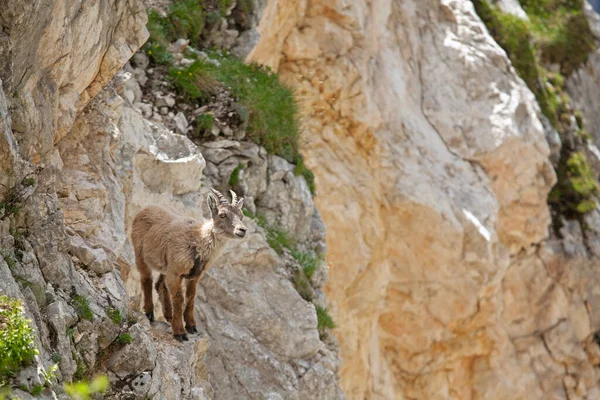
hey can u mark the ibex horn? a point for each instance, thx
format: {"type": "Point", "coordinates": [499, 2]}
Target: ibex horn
{"type": "Point", "coordinates": [234, 198]}
{"type": "Point", "coordinates": [222, 198]}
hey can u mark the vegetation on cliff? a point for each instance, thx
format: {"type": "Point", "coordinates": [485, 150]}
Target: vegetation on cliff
{"type": "Point", "coordinates": [557, 37]}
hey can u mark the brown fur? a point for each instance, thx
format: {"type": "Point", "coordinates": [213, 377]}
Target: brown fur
{"type": "Point", "coordinates": [181, 249]}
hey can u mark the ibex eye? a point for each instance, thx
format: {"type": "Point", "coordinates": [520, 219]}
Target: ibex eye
{"type": "Point", "coordinates": [222, 215]}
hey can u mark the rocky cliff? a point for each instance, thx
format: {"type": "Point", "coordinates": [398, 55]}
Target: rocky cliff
{"type": "Point", "coordinates": [454, 149]}
{"type": "Point", "coordinates": [84, 147]}
{"type": "Point", "coordinates": [433, 161]}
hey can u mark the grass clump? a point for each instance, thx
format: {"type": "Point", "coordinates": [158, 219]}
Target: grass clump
{"type": "Point", "coordinates": [203, 124]}
{"type": "Point", "coordinates": [82, 307]}
{"type": "Point", "coordinates": [85, 390]}
{"type": "Point", "coordinates": [17, 342]}
{"type": "Point", "coordinates": [272, 121]}
{"type": "Point", "coordinates": [562, 31]}
{"type": "Point", "coordinates": [124, 338]}
{"type": "Point", "coordinates": [194, 82]}
{"type": "Point", "coordinates": [10, 261]}
{"type": "Point", "coordinates": [114, 315]}
{"type": "Point", "coordinates": [278, 240]}
{"type": "Point", "coordinates": [576, 188]}
{"type": "Point", "coordinates": [158, 41]}
{"type": "Point", "coordinates": [234, 178]}
{"type": "Point", "coordinates": [324, 320]}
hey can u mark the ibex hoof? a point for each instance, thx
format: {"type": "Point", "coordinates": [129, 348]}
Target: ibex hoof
{"type": "Point", "coordinates": [191, 329]}
{"type": "Point", "coordinates": [181, 338]}
{"type": "Point", "coordinates": [150, 316]}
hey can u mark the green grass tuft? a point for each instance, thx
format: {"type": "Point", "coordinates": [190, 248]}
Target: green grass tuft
{"type": "Point", "coordinates": [82, 307]}
{"type": "Point", "coordinates": [86, 390]}
{"type": "Point", "coordinates": [235, 175]}
{"type": "Point", "coordinates": [194, 82]}
{"type": "Point", "coordinates": [56, 358]}
{"type": "Point", "coordinates": [124, 338]}
{"type": "Point", "coordinates": [324, 320]}
{"type": "Point", "coordinates": [203, 124]}
{"type": "Point", "coordinates": [114, 315]}
{"type": "Point", "coordinates": [17, 342]}
{"type": "Point", "coordinates": [278, 240]}
{"type": "Point", "coordinates": [37, 390]}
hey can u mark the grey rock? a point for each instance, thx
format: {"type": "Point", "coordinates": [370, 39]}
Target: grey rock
{"type": "Point", "coordinates": [161, 100]}
{"type": "Point", "coordinates": [136, 357]}
{"type": "Point", "coordinates": [181, 123]}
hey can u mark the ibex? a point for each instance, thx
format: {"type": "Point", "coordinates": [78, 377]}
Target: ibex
{"type": "Point", "coordinates": [181, 249]}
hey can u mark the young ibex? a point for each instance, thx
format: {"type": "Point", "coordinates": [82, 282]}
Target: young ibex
{"type": "Point", "coordinates": [181, 248]}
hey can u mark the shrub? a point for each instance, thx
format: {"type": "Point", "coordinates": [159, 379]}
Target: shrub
{"type": "Point", "coordinates": [82, 307]}
{"type": "Point", "coordinates": [17, 342]}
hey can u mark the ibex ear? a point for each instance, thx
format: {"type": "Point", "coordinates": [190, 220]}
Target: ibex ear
{"type": "Point", "coordinates": [212, 204]}
{"type": "Point", "coordinates": [240, 203]}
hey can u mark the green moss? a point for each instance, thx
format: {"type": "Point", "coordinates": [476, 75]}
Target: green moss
{"type": "Point", "coordinates": [114, 315]}
{"type": "Point", "coordinates": [324, 320]}
{"type": "Point", "coordinates": [124, 338]}
{"type": "Point", "coordinates": [17, 342]}
{"type": "Point", "coordinates": [302, 285]}
{"type": "Point", "coordinates": [235, 175]}
{"type": "Point", "coordinates": [82, 307]}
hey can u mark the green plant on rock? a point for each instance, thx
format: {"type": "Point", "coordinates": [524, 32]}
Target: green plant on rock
{"type": "Point", "coordinates": [17, 342]}
{"type": "Point", "coordinates": [234, 178]}
{"type": "Point", "coordinates": [84, 390]}
{"type": "Point", "coordinates": [82, 307]}
{"type": "Point", "coordinates": [324, 320]}
{"type": "Point", "coordinates": [124, 338]}
{"type": "Point", "coordinates": [114, 315]}
{"type": "Point", "coordinates": [194, 82]}
{"type": "Point", "coordinates": [302, 285]}
{"type": "Point", "coordinates": [562, 31]}
{"type": "Point", "coordinates": [203, 124]}
{"type": "Point", "coordinates": [576, 188]}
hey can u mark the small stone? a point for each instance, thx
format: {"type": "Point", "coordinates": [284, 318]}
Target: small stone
{"type": "Point", "coordinates": [179, 46]}
{"type": "Point", "coordinates": [164, 100]}
{"type": "Point", "coordinates": [181, 123]}
{"type": "Point", "coordinates": [164, 110]}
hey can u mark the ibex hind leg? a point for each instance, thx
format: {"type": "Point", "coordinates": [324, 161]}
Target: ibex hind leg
{"type": "Point", "coordinates": [164, 298]}
{"type": "Point", "coordinates": [190, 297]}
{"type": "Point", "coordinates": [146, 281]}
{"type": "Point", "coordinates": [176, 292]}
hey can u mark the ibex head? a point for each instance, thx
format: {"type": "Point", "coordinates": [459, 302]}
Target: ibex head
{"type": "Point", "coordinates": [227, 218]}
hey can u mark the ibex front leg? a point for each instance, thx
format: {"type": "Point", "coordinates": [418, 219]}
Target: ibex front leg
{"type": "Point", "coordinates": [176, 293]}
{"type": "Point", "coordinates": [190, 297]}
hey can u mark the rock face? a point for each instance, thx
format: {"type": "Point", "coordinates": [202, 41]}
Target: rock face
{"type": "Point", "coordinates": [78, 162]}
{"type": "Point", "coordinates": [432, 174]}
